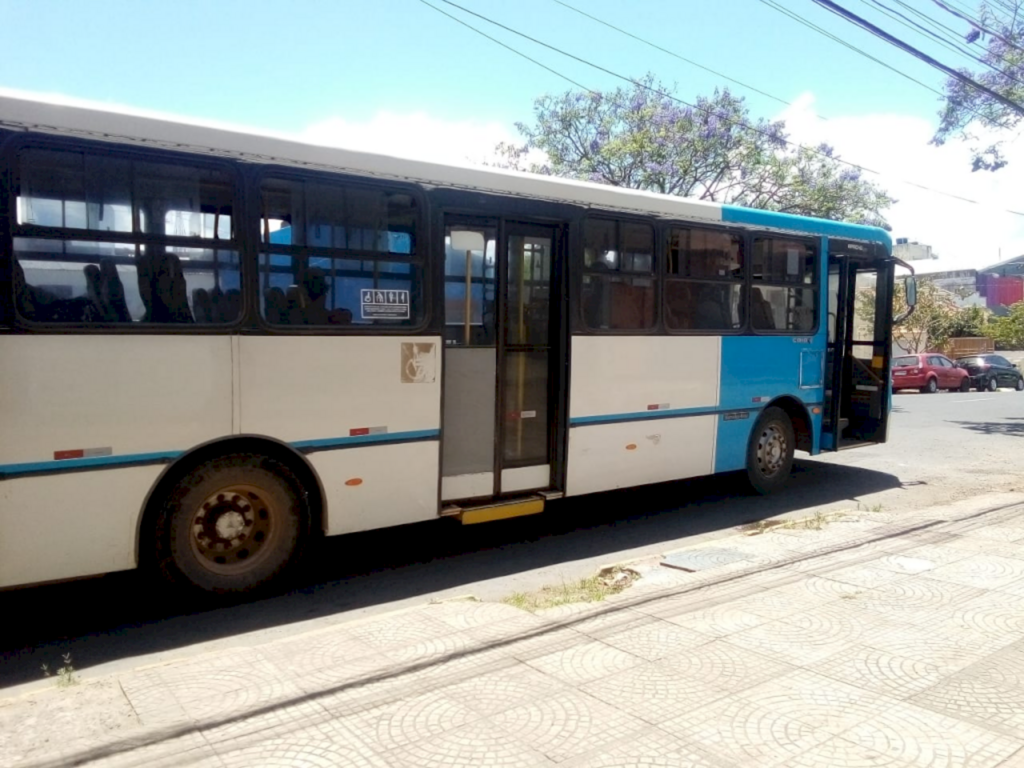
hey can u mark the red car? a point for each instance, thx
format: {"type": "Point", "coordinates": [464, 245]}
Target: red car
{"type": "Point", "coordinates": [929, 372]}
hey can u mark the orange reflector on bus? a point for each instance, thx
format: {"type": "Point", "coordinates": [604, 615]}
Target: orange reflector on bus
{"type": "Point", "coordinates": [631, 447]}
{"type": "Point", "coordinates": [354, 481]}
{"type": "Point", "coordinates": [815, 411]}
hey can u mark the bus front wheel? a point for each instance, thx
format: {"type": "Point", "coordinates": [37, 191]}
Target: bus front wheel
{"type": "Point", "coordinates": [230, 525]}
{"type": "Point", "coordinates": [770, 452]}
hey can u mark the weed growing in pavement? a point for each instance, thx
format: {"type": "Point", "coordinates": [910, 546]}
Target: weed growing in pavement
{"type": "Point", "coordinates": [592, 589]}
{"type": "Point", "coordinates": [65, 675]}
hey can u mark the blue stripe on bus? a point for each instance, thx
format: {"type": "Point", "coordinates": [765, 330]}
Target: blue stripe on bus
{"type": "Point", "coordinates": [581, 421]}
{"type": "Point", "coordinates": [162, 457]}
{"type": "Point", "coordinates": [380, 437]}
{"type": "Point", "coordinates": [775, 220]}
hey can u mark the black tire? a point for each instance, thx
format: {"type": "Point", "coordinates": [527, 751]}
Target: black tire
{"type": "Point", "coordinates": [931, 387]}
{"type": "Point", "coordinates": [770, 451]}
{"type": "Point", "coordinates": [992, 385]}
{"type": "Point", "coordinates": [230, 525]}
{"type": "Point", "coordinates": [965, 384]}
{"type": "Point", "coordinates": [1019, 386]}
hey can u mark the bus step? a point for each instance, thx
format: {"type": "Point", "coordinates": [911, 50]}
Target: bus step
{"type": "Point", "coordinates": [496, 510]}
{"type": "Point", "coordinates": [843, 424]}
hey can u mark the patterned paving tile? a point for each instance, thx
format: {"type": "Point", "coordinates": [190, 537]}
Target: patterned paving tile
{"type": "Point", "coordinates": [655, 639]}
{"type": "Point", "coordinates": [465, 614]}
{"type": "Point", "coordinates": [654, 692]}
{"type": "Point", "coordinates": [741, 733]}
{"type": "Point", "coordinates": [839, 753]}
{"type": "Point", "coordinates": [804, 638]}
{"type": "Point", "coordinates": [217, 674]}
{"type": "Point", "coordinates": [411, 719]}
{"type": "Point", "coordinates": [397, 631]}
{"type": "Point", "coordinates": [496, 691]}
{"type": "Point", "coordinates": [524, 639]}
{"type": "Point", "coordinates": [298, 751]}
{"type": "Point", "coordinates": [187, 751]}
{"type": "Point", "coordinates": [717, 621]}
{"type": "Point", "coordinates": [568, 724]}
{"type": "Point", "coordinates": [919, 593]}
{"type": "Point", "coordinates": [978, 699]}
{"type": "Point", "coordinates": [818, 701]}
{"type": "Point", "coordinates": [930, 740]}
{"type": "Point", "coordinates": [655, 749]}
{"type": "Point", "coordinates": [584, 662]}
{"type": "Point", "coordinates": [474, 745]}
{"type": "Point", "coordinates": [982, 571]}
{"type": "Point", "coordinates": [725, 666]}
{"type": "Point", "coordinates": [609, 621]}
{"type": "Point", "coordinates": [866, 575]}
{"type": "Point", "coordinates": [879, 671]}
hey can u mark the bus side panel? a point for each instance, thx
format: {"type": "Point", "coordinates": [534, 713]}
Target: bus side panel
{"type": "Point", "coordinates": [344, 397]}
{"type": "Point", "coordinates": [379, 486]}
{"type": "Point", "coordinates": [74, 411]}
{"type": "Point", "coordinates": [641, 410]}
{"type": "Point", "coordinates": [111, 396]}
{"type": "Point", "coordinates": [70, 525]}
{"type": "Point", "coordinates": [758, 369]}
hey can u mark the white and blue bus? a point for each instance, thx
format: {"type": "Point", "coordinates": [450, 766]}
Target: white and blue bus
{"type": "Point", "coordinates": [216, 346]}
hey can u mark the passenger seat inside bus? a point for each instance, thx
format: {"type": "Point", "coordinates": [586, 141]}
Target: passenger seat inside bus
{"type": "Point", "coordinates": [761, 316]}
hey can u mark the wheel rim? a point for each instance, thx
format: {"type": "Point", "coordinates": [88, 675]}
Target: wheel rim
{"type": "Point", "coordinates": [932, 386]}
{"type": "Point", "coordinates": [1020, 384]}
{"type": "Point", "coordinates": [992, 385]}
{"type": "Point", "coordinates": [771, 450]}
{"type": "Point", "coordinates": [232, 529]}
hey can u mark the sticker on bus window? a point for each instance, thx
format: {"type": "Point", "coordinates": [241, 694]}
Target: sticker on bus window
{"type": "Point", "coordinates": [377, 304]}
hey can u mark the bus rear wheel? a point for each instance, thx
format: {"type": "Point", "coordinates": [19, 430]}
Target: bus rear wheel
{"type": "Point", "coordinates": [770, 452]}
{"type": "Point", "coordinates": [230, 525]}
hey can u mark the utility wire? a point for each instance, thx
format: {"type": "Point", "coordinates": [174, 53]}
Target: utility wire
{"type": "Point", "coordinates": [977, 24]}
{"type": "Point", "coordinates": [663, 94]}
{"type": "Point", "coordinates": [801, 20]}
{"type": "Point", "coordinates": [893, 40]}
{"type": "Point", "coordinates": [674, 54]}
{"type": "Point", "coordinates": [910, 23]}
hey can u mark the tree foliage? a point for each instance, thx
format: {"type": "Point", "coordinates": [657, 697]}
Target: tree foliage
{"type": "Point", "coordinates": [936, 319]}
{"type": "Point", "coordinates": [998, 40]}
{"type": "Point", "coordinates": [641, 137]}
{"type": "Point", "coordinates": [1008, 330]}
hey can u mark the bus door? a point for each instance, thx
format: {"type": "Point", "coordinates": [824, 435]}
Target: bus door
{"type": "Point", "coordinates": [503, 341]}
{"type": "Point", "coordinates": [859, 347]}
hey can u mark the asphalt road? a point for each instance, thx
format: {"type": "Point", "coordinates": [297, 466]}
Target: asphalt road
{"type": "Point", "coordinates": [942, 447]}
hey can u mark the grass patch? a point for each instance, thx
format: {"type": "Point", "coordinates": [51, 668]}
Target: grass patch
{"type": "Point", "coordinates": [592, 589]}
{"type": "Point", "coordinates": [815, 522]}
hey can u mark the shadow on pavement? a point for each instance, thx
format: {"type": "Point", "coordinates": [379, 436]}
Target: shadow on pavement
{"type": "Point", "coordinates": [123, 615]}
{"type": "Point", "coordinates": [1011, 426]}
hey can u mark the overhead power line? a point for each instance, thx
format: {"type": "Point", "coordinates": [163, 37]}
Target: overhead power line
{"type": "Point", "coordinates": [673, 53]}
{"type": "Point", "coordinates": [655, 91]}
{"type": "Point", "coordinates": [977, 23]}
{"type": "Point", "coordinates": [893, 40]}
{"type": "Point", "coordinates": [836, 39]}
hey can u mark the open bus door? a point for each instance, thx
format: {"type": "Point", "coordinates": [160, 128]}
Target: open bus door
{"type": "Point", "coordinates": [860, 321]}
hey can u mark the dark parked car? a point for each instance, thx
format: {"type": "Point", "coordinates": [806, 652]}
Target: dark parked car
{"type": "Point", "coordinates": [989, 372]}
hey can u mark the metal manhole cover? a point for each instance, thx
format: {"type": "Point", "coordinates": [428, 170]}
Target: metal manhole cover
{"type": "Point", "coordinates": [702, 559]}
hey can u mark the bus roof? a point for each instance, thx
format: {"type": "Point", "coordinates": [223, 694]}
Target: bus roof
{"type": "Point", "coordinates": [124, 125]}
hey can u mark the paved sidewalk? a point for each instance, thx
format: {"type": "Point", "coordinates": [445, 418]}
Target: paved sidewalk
{"type": "Point", "coordinates": [879, 640]}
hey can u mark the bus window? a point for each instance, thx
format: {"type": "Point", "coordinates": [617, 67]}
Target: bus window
{"type": "Point", "coordinates": [784, 292]}
{"type": "Point", "coordinates": [704, 281]}
{"type": "Point", "coordinates": [335, 255]}
{"type": "Point", "coordinates": [63, 274]}
{"type": "Point", "coordinates": [618, 275]}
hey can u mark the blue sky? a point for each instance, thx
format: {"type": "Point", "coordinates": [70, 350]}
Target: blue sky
{"type": "Point", "coordinates": [324, 68]}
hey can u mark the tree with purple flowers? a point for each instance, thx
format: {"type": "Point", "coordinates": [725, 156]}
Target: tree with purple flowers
{"type": "Point", "coordinates": [642, 137]}
{"type": "Point", "coordinates": [996, 37]}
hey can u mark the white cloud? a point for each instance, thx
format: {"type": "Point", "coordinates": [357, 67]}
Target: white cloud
{"type": "Point", "coordinates": [418, 136]}
{"type": "Point", "coordinates": [962, 234]}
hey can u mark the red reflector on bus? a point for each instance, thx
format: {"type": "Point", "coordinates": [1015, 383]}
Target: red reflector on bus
{"type": "Point", "coordinates": [359, 431]}
{"type": "Point", "coordinates": [59, 455]}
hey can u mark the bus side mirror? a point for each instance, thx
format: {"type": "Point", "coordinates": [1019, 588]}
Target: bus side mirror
{"type": "Point", "coordinates": [911, 291]}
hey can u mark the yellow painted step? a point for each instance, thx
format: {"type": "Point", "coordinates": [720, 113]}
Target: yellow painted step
{"type": "Point", "coordinates": [501, 510]}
